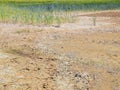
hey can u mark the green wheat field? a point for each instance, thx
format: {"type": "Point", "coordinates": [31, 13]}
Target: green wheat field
{"type": "Point", "coordinates": [49, 11]}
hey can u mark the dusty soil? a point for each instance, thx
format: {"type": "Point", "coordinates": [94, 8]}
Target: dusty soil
{"type": "Point", "coordinates": [74, 56]}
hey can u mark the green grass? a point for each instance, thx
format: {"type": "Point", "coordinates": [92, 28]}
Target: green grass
{"type": "Point", "coordinates": [49, 11]}
{"type": "Point", "coordinates": [64, 1]}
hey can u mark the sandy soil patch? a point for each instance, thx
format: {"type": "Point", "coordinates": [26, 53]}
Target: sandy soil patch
{"type": "Point", "coordinates": [74, 56]}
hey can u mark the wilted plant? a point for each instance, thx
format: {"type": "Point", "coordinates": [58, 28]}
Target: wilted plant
{"type": "Point", "coordinates": [94, 21]}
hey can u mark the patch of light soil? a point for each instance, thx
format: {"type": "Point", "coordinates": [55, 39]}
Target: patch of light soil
{"type": "Point", "coordinates": [3, 55]}
{"type": "Point", "coordinates": [6, 74]}
{"type": "Point", "coordinates": [86, 23]}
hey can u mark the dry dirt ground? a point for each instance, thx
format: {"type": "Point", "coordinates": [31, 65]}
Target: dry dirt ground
{"type": "Point", "coordinates": [74, 56]}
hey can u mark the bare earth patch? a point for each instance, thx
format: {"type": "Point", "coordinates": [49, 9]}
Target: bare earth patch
{"type": "Point", "coordinates": [74, 56]}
